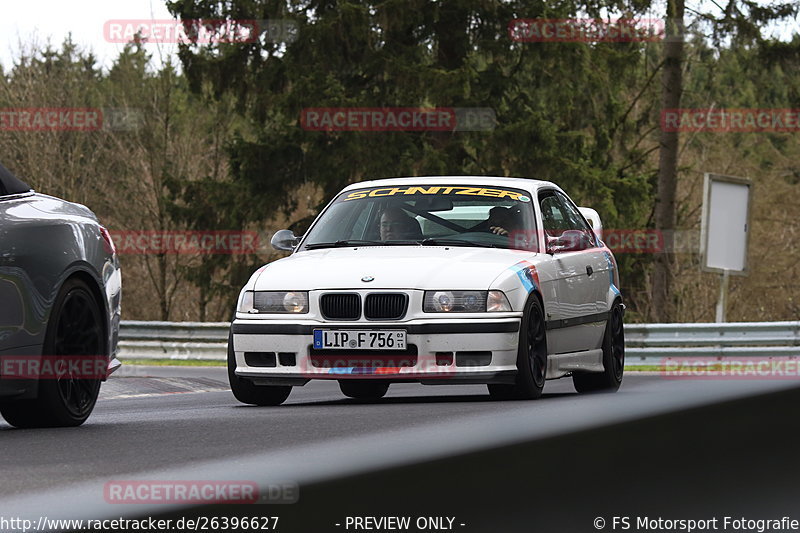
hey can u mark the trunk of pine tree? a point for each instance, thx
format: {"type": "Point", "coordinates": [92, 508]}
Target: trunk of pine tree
{"type": "Point", "coordinates": [665, 212]}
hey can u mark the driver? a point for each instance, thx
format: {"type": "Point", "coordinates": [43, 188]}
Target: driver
{"type": "Point", "coordinates": [396, 225]}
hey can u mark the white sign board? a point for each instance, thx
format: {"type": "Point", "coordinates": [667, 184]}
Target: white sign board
{"type": "Point", "coordinates": [726, 223]}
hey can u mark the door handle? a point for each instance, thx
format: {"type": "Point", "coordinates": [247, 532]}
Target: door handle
{"type": "Point", "coordinates": [589, 270]}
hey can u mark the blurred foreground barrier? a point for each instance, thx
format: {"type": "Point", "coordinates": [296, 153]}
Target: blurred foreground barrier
{"type": "Point", "coordinates": [646, 344]}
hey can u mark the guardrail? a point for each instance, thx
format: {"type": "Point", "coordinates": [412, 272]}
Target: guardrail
{"type": "Point", "coordinates": [173, 340]}
{"type": "Point", "coordinates": [646, 344]}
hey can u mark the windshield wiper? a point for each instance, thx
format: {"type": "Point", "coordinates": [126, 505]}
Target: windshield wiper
{"type": "Point", "coordinates": [424, 242]}
{"type": "Point", "coordinates": [431, 241]}
{"type": "Point", "coordinates": [339, 244]}
{"type": "Point", "coordinates": [356, 242]}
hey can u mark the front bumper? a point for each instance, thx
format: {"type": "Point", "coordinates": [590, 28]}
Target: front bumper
{"type": "Point", "coordinates": [272, 352]}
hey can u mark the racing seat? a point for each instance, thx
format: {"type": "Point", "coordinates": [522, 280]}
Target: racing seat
{"type": "Point", "coordinates": [414, 229]}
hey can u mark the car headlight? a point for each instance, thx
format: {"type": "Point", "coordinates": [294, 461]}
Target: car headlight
{"type": "Point", "coordinates": [465, 302]}
{"type": "Point", "coordinates": [295, 302]}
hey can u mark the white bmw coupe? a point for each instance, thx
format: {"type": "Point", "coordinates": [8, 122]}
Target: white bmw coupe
{"type": "Point", "coordinates": [434, 280]}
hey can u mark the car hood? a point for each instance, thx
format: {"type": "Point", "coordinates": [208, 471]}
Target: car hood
{"type": "Point", "coordinates": [392, 267]}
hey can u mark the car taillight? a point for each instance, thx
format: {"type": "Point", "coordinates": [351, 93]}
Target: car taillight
{"type": "Point", "coordinates": [109, 241]}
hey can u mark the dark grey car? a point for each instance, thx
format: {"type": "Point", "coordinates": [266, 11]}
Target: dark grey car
{"type": "Point", "coordinates": [60, 289]}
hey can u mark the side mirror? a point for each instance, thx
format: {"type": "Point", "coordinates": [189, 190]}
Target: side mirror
{"type": "Point", "coordinates": [285, 240]}
{"type": "Point", "coordinates": [594, 220]}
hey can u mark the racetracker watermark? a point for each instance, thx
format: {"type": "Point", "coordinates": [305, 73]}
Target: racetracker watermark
{"type": "Point", "coordinates": [69, 119]}
{"type": "Point", "coordinates": [586, 30]}
{"type": "Point", "coordinates": [731, 120]}
{"type": "Point", "coordinates": [398, 119]}
{"type": "Point", "coordinates": [198, 492]}
{"type": "Point", "coordinates": [185, 242]}
{"type": "Point", "coordinates": [364, 365]}
{"type": "Point", "coordinates": [731, 368]}
{"type": "Point", "coordinates": [634, 241]}
{"type": "Point", "coordinates": [200, 31]}
{"type": "Point", "coordinates": [619, 241]}
{"type": "Point", "coordinates": [53, 367]}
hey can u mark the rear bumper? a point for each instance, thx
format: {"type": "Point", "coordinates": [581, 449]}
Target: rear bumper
{"type": "Point", "coordinates": [439, 352]}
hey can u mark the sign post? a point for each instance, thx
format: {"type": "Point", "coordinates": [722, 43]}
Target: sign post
{"type": "Point", "coordinates": [725, 230]}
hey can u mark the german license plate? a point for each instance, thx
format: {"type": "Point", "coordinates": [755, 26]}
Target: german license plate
{"type": "Point", "coordinates": [339, 339]}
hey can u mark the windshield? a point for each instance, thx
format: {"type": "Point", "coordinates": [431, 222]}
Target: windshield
{"type": "Point", "coordinates": [10, 184]}
{"type": "Point", "coordinates": [450, 215]}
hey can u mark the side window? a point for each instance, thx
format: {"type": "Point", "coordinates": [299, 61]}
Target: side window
{"type": "Point", "coordinates": [554, 220]}
{"type": "Point", "coordinates": [574, 217]}
{"type": "Point", "coordinates": [564, 226]}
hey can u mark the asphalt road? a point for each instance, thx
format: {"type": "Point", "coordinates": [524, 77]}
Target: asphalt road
{"type": "Point", "coordinates": [154, 417]}
{"type": "Point", "coordinates": [151, 418]}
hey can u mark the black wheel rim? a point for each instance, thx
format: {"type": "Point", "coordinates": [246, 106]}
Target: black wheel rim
{"type": "Point", "coordinates": [78, 335]}
{"type": "Point", "coordinates": [617, 342]}
{"type": "Point", "coordinates": [537, 349]}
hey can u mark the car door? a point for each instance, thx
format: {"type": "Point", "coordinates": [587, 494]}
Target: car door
{"type": "Point", "coordinates": [582, 279]}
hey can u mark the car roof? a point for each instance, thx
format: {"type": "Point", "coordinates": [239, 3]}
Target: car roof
{"type": "Point", "coordinates": [518, 183]}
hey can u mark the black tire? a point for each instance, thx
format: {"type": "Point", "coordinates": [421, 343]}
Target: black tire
{"type": "Point", "coordinates": [613, 357]}
{"type": "Point", "coordinates": [364, 390]}
{"type": "Point", "coordinates": [246, 392]}
{"type": "Point", "coordinates": [76, 327]}
{"type": "Point", "coordinates": [531, 357]}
